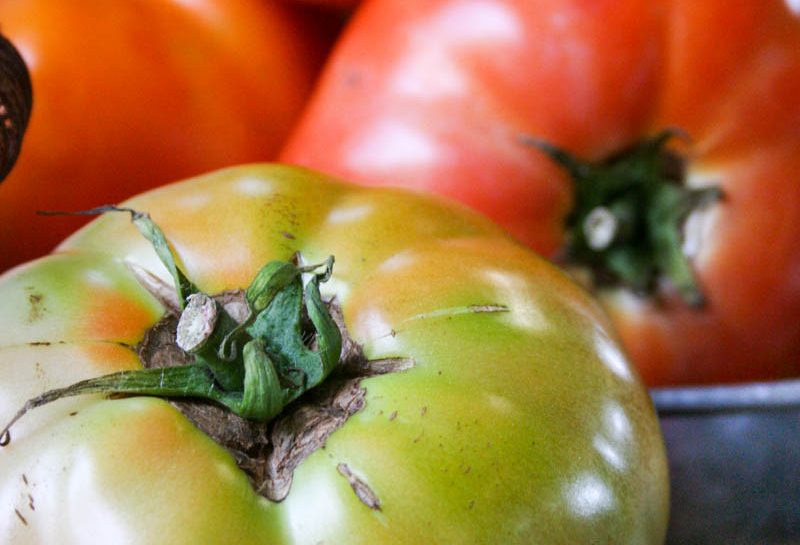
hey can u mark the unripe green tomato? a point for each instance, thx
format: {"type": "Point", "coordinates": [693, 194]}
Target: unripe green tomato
{"type": "Point", "coordinates": [518, 421]}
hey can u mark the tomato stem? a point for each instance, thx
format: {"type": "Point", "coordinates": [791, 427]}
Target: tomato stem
{"type": "Point", "coordinates": [254, 367]}
{"type": "Point", "coordinates": [626, 223]}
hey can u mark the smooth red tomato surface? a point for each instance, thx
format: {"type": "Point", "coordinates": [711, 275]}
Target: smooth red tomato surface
{"type": "Point", "coordinates": [439, 95]}
{"type": "Point", "coordinates": [130, 95]}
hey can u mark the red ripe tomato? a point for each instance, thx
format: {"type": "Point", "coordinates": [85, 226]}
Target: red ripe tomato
{"type": "Point", "coordinates": [130, 95]}
{"type": "Point", "coordinates": [447, 96]}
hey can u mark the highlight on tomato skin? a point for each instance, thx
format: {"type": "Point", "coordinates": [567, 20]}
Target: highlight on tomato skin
{"type": "Point", "coordinates": [132, 95]}
{"type": "Point", "coordinates": [472, 374]}
{"type": "Point", "coordinates": [464, 99]}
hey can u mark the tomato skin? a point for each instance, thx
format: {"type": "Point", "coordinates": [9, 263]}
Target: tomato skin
{"type": "Point", "coordinates": [343, 5]}
{"type": "Point", "coordinates": [446, 113]}
{"type": "Point", "coordinates": [515, 427]}
{"type": "Point", "coordinates": [131, 95]}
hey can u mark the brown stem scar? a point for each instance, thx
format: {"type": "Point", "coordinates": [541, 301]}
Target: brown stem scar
{"type": "Point", "coordinates": [361, 489]}
{"type": "Point", "coordinates": [270, 452]}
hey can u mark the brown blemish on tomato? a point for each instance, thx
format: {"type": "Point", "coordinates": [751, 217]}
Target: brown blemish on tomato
{"type": "Point", "coordinates": [488, 308]}
{"type": "Point", "coordinates": [36, 308]}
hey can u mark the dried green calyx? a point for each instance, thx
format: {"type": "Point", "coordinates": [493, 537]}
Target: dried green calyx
{"type": "Point", "coordinates": [255, 365]}
{"type": "Point", "coordinates": [626, 223]}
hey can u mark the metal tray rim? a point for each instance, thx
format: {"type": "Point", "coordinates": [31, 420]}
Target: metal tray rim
{"type": "Point", "coordinates": [777, 395]}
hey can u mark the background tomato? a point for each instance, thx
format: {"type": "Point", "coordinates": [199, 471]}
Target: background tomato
{"type": "Point", "coordinates": [522, 424]}
{"type": "Point", "coordinates": [130, 95]}
{"type": "Point", "coordinates": [446, 95]}
{"type": "Point", "coordinates": [345, 5]}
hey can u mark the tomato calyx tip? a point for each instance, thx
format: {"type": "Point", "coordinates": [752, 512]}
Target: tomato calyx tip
{"type": "Point", "coordinates": [625, 227]}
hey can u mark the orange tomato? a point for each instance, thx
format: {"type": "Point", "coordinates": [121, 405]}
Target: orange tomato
{"type": "Point", "coordinates": [131, 95]}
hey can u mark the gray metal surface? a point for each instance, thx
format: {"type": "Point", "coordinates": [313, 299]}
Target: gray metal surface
{"type": "Point", "coordinates": [734, 455]}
